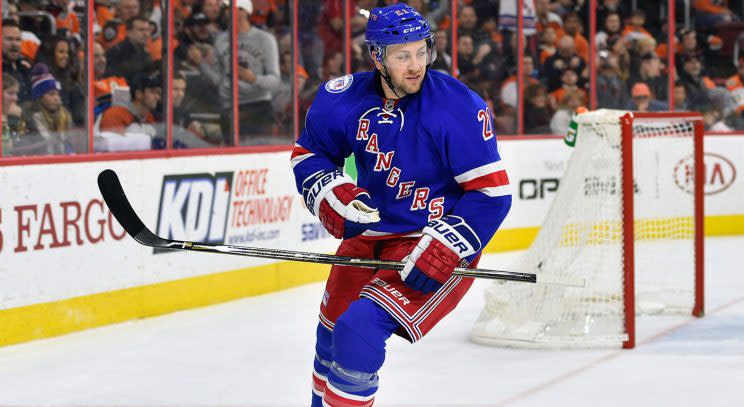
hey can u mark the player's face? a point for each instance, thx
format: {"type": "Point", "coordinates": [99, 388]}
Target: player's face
{"type": "Point", "coordinates": [406, 65]}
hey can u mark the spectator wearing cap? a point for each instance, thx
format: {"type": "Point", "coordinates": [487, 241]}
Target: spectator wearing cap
{"type": "Point", "coordinates": [643, 100]}
{"type": "Point", "coordinates": [14, 63]}
{"type": "Point", "coordinates": [697, 85]}
{"type": "Point", "coordinates": [650, 72]}
{"type": "Point", "coordinates": [130, 58]}
{"type": "Point", "coordinates": [137, 115]}
{"type": "Point", "coordinates": [193, 39]}
{"type": "Point", "coordinates": [258, 73]}
{"type": "Point", "coordinates": [735, 85]}
{"type": "Point", "coordinates": [48, 117]}
{"type": "Point", "coordinates": [217, 13]}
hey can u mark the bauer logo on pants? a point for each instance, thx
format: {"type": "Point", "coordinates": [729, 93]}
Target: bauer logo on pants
{"type": "Point", "coordinates": [194, 207]}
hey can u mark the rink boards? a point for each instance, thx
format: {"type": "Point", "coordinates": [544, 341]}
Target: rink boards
{"type": "Point", "coordinates": [66, 264]}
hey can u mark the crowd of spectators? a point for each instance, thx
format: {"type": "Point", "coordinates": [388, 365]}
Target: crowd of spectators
{"type": "Point", "coordinates": [44, 81]}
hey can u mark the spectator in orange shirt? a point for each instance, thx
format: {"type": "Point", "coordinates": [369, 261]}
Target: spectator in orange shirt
{"type": "Point", "coordinates": [136, 116]}
{"type": "Point", "coordinates": [30, 43]}
{"type": "Point", "coordinates": [264, 13]}
{"type": "Point", "coordinates": [634, 29]}
{"type": "Point", "coordinates": [14, 63]}
{"type": "Point", "coordinates": [572, 26]}
{"type": "Point", "coordinates": [509, 88]}
{"type": "Point", "coordinates": [547, 44]}
{"type": "Point", "coordinates": [104, 12]}
{"type": "Point", "coordinates": [545, 17]}
{"type": "Point", "coordinates": [114, 31]}
{"type": "Point", "coordinates": [735, 85]}
{"type": "Point", "coordinates": [569, 83]}
{"type": "Point", "coordinates": [710, 13]}
{"type": "Point", "coordinates": [104, 85]}
{"type": "Point", "coordinates": [65, 19]}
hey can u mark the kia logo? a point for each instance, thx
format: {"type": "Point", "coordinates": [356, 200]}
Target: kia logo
{"type": "Point", "coordinates": [719, 171]}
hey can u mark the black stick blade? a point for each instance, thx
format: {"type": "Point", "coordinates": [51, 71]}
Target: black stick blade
{"type": "Point", "coordinates": [113, 194]}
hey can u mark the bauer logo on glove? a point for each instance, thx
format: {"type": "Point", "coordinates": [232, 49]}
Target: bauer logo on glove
{"type": "Point", "coordinates": [446, 243]}
{"type": "Point", "coordinates": [344, 209]}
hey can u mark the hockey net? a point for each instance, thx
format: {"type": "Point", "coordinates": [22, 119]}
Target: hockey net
{"type": "Point", "coordinates": [627, 218]}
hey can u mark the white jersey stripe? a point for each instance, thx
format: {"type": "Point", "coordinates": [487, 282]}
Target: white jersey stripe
{"type": "Point", "coordinates": [300, 158]}
{"type": "Point", "coordinates": [504, 190]}
{"type": "Point", "coordinates": [480, 171]}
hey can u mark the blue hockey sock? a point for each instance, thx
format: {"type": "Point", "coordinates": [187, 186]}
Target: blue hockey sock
{"type": "Point", "coordinates": [321, 364]}
{"type": "Point", "coordinates": [358, 353]}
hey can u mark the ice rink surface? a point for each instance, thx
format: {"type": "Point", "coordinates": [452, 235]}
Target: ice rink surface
{"type": "Point", "coordinates": [258, 352]}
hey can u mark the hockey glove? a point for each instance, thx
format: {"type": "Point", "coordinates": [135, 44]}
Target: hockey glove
{"type": "Point", "coordinates": [344, 209]}
{"type": "Point", "coordinates": [446, 243]}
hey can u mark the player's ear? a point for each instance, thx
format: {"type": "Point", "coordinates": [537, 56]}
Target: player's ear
{"type": "Point", "coordinates": [378, 65]}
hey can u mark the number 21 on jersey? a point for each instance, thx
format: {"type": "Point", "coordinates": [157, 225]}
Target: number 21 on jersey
{"type": "Point", "coordinates": [485, 116]}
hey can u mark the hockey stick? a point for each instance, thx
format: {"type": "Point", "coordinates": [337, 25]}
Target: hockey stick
{"type": "Point", "coordinates": [113, 194]}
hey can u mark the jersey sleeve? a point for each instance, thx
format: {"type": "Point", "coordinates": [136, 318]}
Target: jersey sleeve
{"type": "Point", "coordinates": [477, 167]}
{"type": "Point", "coordinates": [322, 146]}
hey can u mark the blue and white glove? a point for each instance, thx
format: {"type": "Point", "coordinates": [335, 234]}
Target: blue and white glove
{"type": "Point", "coordinates": [344, 209]}
{"type": "Point", "coordinates": [446, 243]}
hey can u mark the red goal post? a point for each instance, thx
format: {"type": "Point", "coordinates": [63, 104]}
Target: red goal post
{"type": "Point", "coordinates": [627, 122]}
{"type": "Point", "coordinates": [628, 218]}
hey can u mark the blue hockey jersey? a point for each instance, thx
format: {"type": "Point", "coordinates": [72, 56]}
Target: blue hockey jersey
{"type": "Point", "coordinates": [426, 155]}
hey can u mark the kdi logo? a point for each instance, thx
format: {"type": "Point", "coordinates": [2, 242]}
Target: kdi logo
{"type": "Point", "coordinates": [194, 207]}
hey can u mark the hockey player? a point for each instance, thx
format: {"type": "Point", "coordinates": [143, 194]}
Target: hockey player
{"type": "Point", "coordinates": [431, 189]}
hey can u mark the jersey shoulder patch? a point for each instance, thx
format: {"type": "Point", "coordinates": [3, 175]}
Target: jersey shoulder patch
{"type": "Point", "coordinates": [340, 84]}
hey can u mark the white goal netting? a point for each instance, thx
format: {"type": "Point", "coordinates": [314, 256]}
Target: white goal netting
{"type": "Point", "coordinates": [582, 236]}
